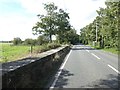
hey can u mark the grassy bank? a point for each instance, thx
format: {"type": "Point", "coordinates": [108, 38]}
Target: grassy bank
{"type": "Point", "coordinates": [10, 52]}
{"type": "Point", "coordinates": [111, 50]}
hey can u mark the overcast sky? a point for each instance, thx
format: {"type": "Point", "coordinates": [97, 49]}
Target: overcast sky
{"type": "Point", "coordinates": [17, 17]}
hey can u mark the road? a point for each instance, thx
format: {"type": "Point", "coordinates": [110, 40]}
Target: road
{"type": "Point", "coordinates": [85, 67]}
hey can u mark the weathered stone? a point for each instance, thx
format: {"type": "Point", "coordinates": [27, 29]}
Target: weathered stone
{"type": "Point", "coordinates": [35, 73]}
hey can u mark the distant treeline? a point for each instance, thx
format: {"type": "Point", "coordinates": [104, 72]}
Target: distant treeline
{"type": "Point", "coordinates": [5, 41]}
{"type": "Point", "coordinates": [29, 41]}
{"type": "Point", "coordinates": [71, 39]}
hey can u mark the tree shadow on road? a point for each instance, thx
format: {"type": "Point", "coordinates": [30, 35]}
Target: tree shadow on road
{"type": "Point", "coordinates": [112, 83]}
{"type": "Point", "coordinates": [63, 78]}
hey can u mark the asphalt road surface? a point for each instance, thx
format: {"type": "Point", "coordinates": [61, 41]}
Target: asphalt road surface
{"type": "Point", "coordinates": [85, 67]}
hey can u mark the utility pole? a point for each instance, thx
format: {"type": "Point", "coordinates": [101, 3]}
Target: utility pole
{"type": "Point", "coordinates": [96, 32]}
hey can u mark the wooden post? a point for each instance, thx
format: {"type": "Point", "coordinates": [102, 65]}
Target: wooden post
{"type": "Point", "coordinates": [31, 48]}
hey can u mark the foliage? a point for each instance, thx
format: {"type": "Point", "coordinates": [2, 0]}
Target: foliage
{"type": "Point", "coordinates": [53, 45]}
{"type": "Point", "coordinates": [106, 24]}
{"type": "Point", "coordinates": [63, 25]}
{"type": "Point", "coordinates": [17, 41]}
{"type": "Point", "coordinates": [46, 23]}
{"type": "Point", "coordinates": [46, 47]}
{"type": "Point", "coordinates": [29, 41]}
{"type": "Point", "coordinates": [42, 40]}
{"type": "Point", "coordinates": [69, 37]}
{"type": "Point", "coordinates": [42, 48]}
{"type": "Point", "coordinates": [55, 22]}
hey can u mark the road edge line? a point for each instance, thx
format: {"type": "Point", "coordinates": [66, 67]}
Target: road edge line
{"type": "Point", "coordinates": [60, 70]}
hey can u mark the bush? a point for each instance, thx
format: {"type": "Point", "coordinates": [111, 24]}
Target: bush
{"type": "Point", "coordinates": [17, 41]}
{"type": "Point", "coordinates": [42, 40]}
{"type": "Point", "coordinates": [41, 48]}
{"type": "Point", "coordinates": [29, 41]}
{"type": "Point", "coordinates": [53, 45]}
{"type": "Point", "coordinates": [47, 47]}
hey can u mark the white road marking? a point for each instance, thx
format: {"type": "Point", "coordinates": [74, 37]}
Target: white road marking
{"type": "Point", "coordinates": [87, 50]}
{"type": "Point", "coordinates": [114, 69]}
{"type": "Point", "coordinates": [60, 70]}
{"type": "Point", "coordinates": [95, 55]}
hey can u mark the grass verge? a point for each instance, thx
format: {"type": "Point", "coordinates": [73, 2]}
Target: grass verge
{"type": "Point", "coordinates": [111, 50]}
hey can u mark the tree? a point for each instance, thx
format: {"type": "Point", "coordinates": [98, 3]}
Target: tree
{"type": "Point", "coordinates": [30, 41]}
{"type": "Point", "coordinates": [46, 23]}
{"type": "Point", "coordinates": [42, 39]}
{"type": "Point", "coordinates": [17, 41]}
{"type": "Point", "coordinates": [70, 37]}
{"type": "Point", "coordinates": [63, 25]}
{"type": "Point", "coordinates": [54, 23]}
{"type": "Point", "coordinates": [107, 26]}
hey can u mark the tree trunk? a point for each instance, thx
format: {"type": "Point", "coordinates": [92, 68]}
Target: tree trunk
{"type": "Point", "coordinates": [50, 38]}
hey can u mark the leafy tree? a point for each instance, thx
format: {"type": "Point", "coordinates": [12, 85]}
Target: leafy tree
{"type": "Point", "coordinates": [29, 41]}
{"type": "Point", "coordinates": [63, 25]}
{"type": "Point", "coordinates": [42, 39]}
{"type": "Point", "coordinates": [46, 23]}
{"type": "Point", "coordinates": [107, 27]}
{"type": "Point", "coordinates": [71, 37]}
{"type": "Point", "coordinates": [54, 23]}
{"type": "Point", "coordinates": [17, 41]}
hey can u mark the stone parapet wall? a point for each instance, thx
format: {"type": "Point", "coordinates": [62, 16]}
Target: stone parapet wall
{"type": "Point", "coordinates": [36, 73]}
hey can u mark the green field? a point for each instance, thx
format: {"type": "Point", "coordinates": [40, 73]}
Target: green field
{"type": "Point", "coordinates": [10, 52]}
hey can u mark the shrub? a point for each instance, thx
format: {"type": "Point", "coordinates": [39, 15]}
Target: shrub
{"type": "Point", "coordinates": [46, 47]}
{"type": "Point", "coordinates": [29, 41]}
{"type": "Point", "coordinates": [53, 45]}
{"type": "Point", "coordinates": [42, 48]}
{"type": "Point", "coordinates": [17, 41]}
